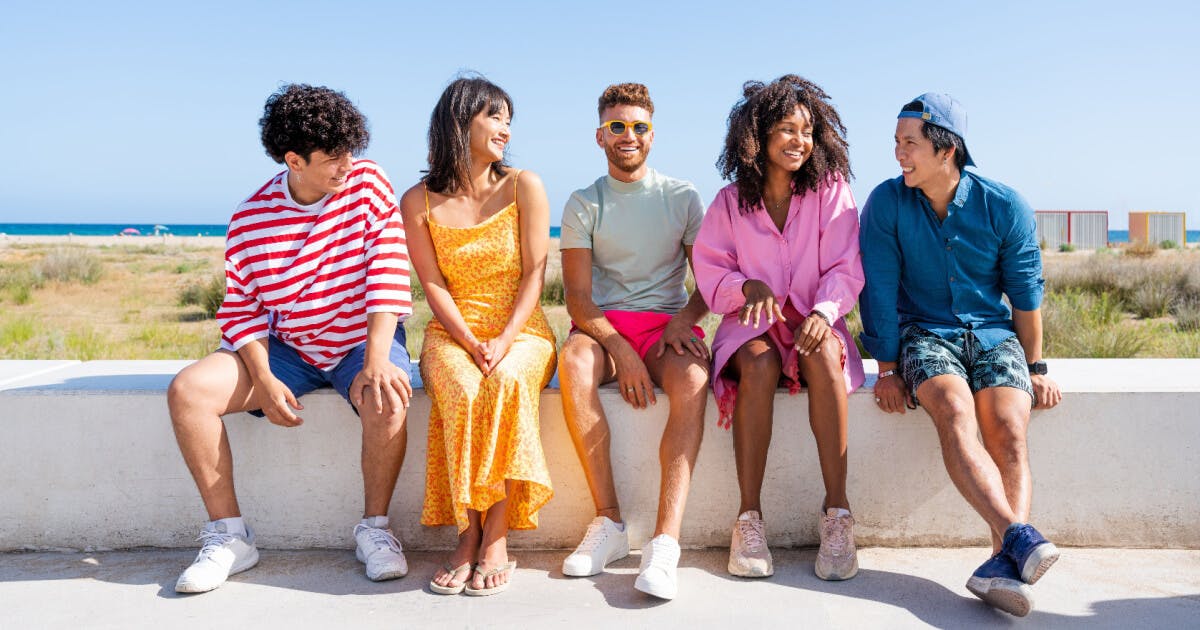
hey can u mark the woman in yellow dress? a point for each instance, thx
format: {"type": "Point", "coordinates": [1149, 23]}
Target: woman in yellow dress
{"type": "Point", "coordinates": [478, 232]}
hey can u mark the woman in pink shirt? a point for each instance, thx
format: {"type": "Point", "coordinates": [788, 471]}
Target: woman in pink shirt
{"type": "Point", "coordinates": [777, 256]}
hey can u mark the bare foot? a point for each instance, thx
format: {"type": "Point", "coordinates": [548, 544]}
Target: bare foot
{"type": "Point", "coordinates": [493, 556]}
{"type": "Point", "coordinates": [468, 548]}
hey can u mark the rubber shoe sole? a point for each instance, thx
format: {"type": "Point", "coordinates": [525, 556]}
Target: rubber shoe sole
{"type": "Point", "coordinates": [752, 572]}
{"type": "Point", "coordinates": [246, 564]}
{"type": "Point", "coordinates": [386, 575]}
{"type": "Point", "coordinates": [617, 554]}
{"type": "Point", "coordinates": [1039, 561]}
{"type": "Point", "coordinates": [836, 577]}
{"type": "Point", "coordinates": [660, 590]}
{"type": "Point", "coordinates": [1011, 596]}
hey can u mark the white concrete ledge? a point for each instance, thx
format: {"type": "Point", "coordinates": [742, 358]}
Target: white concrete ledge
{"type": "Point", "coordinates": [90, 462]}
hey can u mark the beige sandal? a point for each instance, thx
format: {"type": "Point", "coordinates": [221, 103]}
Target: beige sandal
{"type": "Point", "coordinates": [452, 588]}
{"type": "Point", "coordinates": [479, 592]}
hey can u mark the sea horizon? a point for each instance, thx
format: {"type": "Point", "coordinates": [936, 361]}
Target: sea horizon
{"type": "Point", "coordinates": [218, 230]}
{"type": "Point", "coordinates": [118, 229]}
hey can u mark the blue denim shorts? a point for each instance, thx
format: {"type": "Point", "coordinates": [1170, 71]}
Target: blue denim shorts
{"type": "Point", "coordinates": [302, 378]}
{"type": "Point", "coordinates": [924, 355]}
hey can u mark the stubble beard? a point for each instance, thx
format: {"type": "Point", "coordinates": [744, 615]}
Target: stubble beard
{"type": "Point", "coordinates": [624, 162]}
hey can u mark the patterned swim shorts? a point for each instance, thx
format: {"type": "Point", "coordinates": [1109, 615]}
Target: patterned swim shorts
{"type": "Point", "coordinates": [924, 355]}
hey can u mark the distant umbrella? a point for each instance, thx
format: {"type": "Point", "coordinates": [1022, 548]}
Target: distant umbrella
{"type": "Point", "coordinates": [131, 232]}
{"type": "Point", "coordinates": [161, 228]}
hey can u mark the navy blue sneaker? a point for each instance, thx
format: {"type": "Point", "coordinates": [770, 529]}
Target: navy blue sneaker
{"type": "Point", "coordinates": [998, 583]}
{"type": "Point", "coordinates": [1031, 552]}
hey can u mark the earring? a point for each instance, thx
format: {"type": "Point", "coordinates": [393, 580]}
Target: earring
{"type": "Point", "coordinates": [943, 161]}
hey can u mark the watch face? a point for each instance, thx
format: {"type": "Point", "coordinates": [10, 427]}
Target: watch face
{"type": "Point", "coordinates": [1037, 368]}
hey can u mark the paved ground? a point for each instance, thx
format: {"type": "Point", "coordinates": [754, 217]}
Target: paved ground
{"type": "Point", "coordinates": [896, 588]}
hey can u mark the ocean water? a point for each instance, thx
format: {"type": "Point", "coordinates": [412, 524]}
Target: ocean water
{"type": "Point", "coordinates": [112, 229]}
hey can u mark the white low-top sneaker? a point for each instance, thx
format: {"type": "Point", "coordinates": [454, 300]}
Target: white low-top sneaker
{"type": "Point", "coordinates": [380, 551]}
{"type": "Point", "coordinates": [603, 543]}
{"type": "Point", "coordinates": [222, 555]}
{"type": "Point", "coordinates": [660, 560]}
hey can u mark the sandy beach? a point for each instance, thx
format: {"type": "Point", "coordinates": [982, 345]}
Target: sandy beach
{"type": "Point", "coordinates": [111, 241]}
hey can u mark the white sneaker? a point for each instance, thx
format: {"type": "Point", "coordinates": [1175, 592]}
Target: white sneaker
{"type": "Point", "coordinates": [380, 551]}
{"type": "Point", "coordinates": [657, 575]}
{"type": "Point", "coordinates": [222, 555]}
{"type": "Point", "coordinates": [749, 555]}
{"type": "Point", "coordinates": [603, 543]}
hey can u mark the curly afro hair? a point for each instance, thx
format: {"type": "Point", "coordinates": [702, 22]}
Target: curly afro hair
{"type": "Point", "coordinates": [744, 160]}
{"type": "Point", "coordinates": [302, 119]}
{"type": "Point", "coordinates": [634, 94]}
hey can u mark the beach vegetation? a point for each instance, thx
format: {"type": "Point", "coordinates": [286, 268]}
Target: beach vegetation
{"type": "Point", "coordinates": [553, 291]}
{"type": "Point", "coordinates": [208, 295]}
{"type": "Point", "coordinates": [1167, 244]}
{"type": "Point", "coordinates": [69, 264]}
{"type": "Point", "coordinates": [1140, 249]}
{"type": "Point", "coordinates": [1066, 247]}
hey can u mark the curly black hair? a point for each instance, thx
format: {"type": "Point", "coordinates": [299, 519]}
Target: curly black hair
{"type": "Point", "coordinates": [744, 160]}
{"type": "Point", "coordinates": [449, 131]}
{"type": "Point", "coordinates": [302, 119]}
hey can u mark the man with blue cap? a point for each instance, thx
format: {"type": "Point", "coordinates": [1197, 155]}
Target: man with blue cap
{"type": "Point", "coordinates": [941, 247]}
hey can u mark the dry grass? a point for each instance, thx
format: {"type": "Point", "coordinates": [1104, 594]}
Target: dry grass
{"type": "Point", "coordinates": [155, 302]}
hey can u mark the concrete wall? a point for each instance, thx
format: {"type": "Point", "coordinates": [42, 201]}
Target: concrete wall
{"type": "Point", "coordinates": [90, 462]}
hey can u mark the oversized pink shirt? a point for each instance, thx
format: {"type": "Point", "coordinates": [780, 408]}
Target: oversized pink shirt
{"type": "Point", "coordinates": [813, 264]}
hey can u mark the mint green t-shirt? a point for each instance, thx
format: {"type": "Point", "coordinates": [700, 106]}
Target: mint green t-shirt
{"type": "Point", "coordinates": [637, 232]}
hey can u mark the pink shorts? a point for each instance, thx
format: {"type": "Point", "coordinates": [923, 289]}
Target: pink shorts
{"type": "Point", "coordinates": [641, 329]}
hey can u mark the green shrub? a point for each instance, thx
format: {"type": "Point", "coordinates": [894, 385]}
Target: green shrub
{"type": "Point", "coordinates": [1187, 314]}
{"type": "Point", "coordinates": [1167, 244]}
{"type": "Point", "coordinates": [1141, 249]}
{"type": "Point", "coordinates": [1153, 298]}
{"type": "Point", "coordinates": [1066, 247]}
{"type": "Point", "coordinates": [207, 296]}
{"type": "Point", "coordinates": [69, 264]}
{"type": "Point", "coordinates": [553, 291]}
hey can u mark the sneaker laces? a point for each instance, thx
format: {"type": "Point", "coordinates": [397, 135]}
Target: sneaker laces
{"type": "Point", "coordinates": [381, 538]}
{"type": "Point", "coordinates": [212, 541]}
{"type": "Point", "coordinates": [837, 538]}
{"type": "Point", "coordinates": [752, 534]}
{"type": "Point", "coordinates": [663, 554]}
{"type": "Point", "coordinates": [594, 535]}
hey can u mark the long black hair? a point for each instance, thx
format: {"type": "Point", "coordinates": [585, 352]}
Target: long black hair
{"type": "Point", "coordinates": [449, 130]}
{"type": "Point", "coordinates": [744, 159]}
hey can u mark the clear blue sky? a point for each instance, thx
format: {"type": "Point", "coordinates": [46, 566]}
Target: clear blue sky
{"type": "Point", "coordinates": [122, 112]}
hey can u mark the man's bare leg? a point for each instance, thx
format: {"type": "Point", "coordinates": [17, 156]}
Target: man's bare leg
{"type": "Point", "coordinates": [197, 398]}
{"type": "Point", "coordinates": [948, 400]}
{"type": "Point", "coordinates": [1003, 422]}
{"type": "Point", "coordinates": [384, 440]}
{"type": "Point", "coordinates": [583, 366]}
{"type": "Point", "coordinates": [684, 379]}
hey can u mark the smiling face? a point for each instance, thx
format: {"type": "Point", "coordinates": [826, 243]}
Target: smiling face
{"type": "Point", "coordinates": [489, 134]}
{"type": "Point", "coordinates": [921, 165]}
{"type": "Point", "coordinates": [321, 174]}
{"type": "Point", "coordinates": [627, 152]}
{"type": "Point", "coordinates": [790, 141]}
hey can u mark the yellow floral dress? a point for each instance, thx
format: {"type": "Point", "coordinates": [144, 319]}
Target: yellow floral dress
{"type": "Point", "coordinates": [484, 430]}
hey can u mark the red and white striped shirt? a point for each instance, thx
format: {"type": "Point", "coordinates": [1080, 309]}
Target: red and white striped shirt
{"type": "Point", "coordinates": [311, 274]}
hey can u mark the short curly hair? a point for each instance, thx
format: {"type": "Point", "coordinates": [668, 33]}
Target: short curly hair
{"type": "Point", "coordinates": [744, 160]}
{"type": "Point", "coordinates": [302, 119]}
{"type": "Point", "coordinates": [634, 94]}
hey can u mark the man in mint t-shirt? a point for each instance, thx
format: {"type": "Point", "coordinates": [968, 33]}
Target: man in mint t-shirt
{"type": "Point", "coordinates": [626, 243]}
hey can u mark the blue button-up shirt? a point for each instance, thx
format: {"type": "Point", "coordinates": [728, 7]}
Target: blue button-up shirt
{"type": "Point", "coordinates": [946, 276]}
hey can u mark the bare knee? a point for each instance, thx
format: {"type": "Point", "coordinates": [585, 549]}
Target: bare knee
{"type": "Point", "coordinates": [759, 363]}
{"type": "Point", "coordinates": [685, 377]}
{"type": "Point", "coordinates": [1005, 438]}
{"type": "Point", "coordinates": [579, 362]}
{"type": "Point", "coordinates": [188, 392]}
{"type": "Point", "coordinates": [390, 420]}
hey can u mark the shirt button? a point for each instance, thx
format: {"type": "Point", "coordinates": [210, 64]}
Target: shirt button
{"type": "Point", "coordinates": [951, 278]}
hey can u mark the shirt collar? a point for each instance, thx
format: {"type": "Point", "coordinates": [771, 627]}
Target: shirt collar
{"type": "Point", "coordinates": [963, 191]}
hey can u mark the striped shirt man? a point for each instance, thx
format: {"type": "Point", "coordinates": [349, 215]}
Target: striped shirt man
{"type": "Point", "coordinates": [310, 274]}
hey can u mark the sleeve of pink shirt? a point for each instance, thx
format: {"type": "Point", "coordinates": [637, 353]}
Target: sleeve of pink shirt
{"type": "Point", "coordinates": [714, 258]}
{"type": "Point", "coordinates": [840, 263]}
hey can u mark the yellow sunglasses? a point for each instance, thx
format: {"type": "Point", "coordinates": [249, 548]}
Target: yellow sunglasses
{"type": "Point", "coordinates": [618, 127]}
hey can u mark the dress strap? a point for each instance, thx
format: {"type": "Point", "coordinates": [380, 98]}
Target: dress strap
{"type": "Point", "coordinates": [426, 187]}
{"type": "Point", "coordinates": [515, 178]}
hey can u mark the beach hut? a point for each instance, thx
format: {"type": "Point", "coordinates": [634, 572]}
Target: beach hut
{"type": "Point", "coordinates": [1084, 229]}
{"type": "Point", "coordinates": [1156, 227]}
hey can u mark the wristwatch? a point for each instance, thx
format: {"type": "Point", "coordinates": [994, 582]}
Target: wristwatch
{"type": "Point", "coordinates": [1038, 367]}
